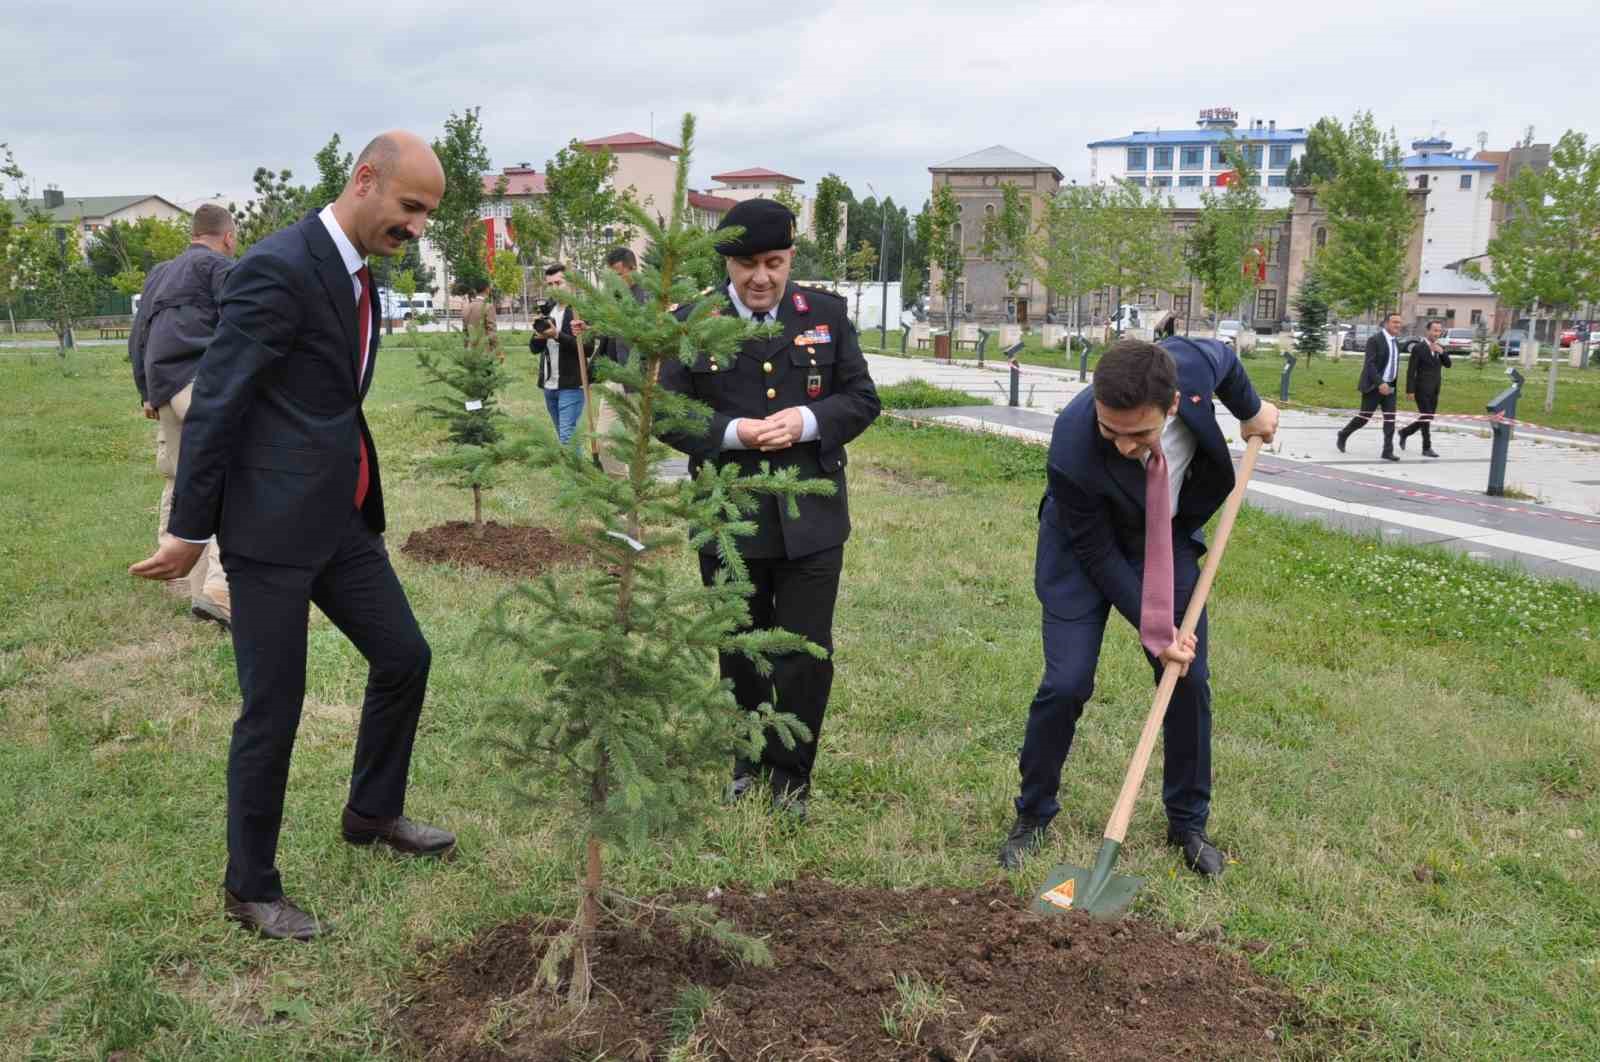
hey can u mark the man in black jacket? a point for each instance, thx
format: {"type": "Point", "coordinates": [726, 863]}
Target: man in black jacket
{"type": "Point", "coordinates": [555, 341]}
{"type": "Point", "coordinates": [794, 401]}
{"type": "Point", "coordinates": [177, 315]}
{"type": "Point", "coordinates": [1423, 376]}
{"type": "Point", "coordinates": [1379, 372]}
{"type": "Point", "coordinates": [277, 459]}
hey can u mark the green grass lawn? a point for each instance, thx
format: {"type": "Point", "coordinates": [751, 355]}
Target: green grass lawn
{"type": "Point", "coordinates": [1407, 759]}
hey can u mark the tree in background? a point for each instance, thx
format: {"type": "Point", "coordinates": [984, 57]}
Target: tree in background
{"type": "Point", "coordinates": [534, 241]}
{"type": "Point", "coordinates": [472, 377]}
{"type": "Point", "coordinates": [1225, 248]}
{"type": "Point", "coordinates": [879, 223]}
{"type": "Point", "coordinates": [1070, 246]}
{"type": "Point", "coordinates": [456, 227]}
{"type": "Point", "coordinates": [1369, 222]}
{"type": "Point", "coordinates": [506, 276]}
{"type": "Point", "coordinates": [861, 267]}
{"type": "Point", "coordinates": [405, 283]}
{"type": "Point", "coordinates": [1005, 238]}
{"type": "Point", "coordinates": [1546, 256]}
{"type": "Point", "coordinates": [625, 726]}
{"type": "Point", "coordinates": [1140, 245]}
{"type": "Point", "coordinates": [939, 230]}
{"type": "Point", "coordinates": [914, 271]}
{"type": "Point", "coordinates": [333, 173]}
{"type": "Point", "coordinates": [582, 210]}
{"type": "Point", "coordinates": [124, 252]}
{"type": "Point", "coordinates": [827, 224]}
{"type": "Point", "coordinates": [807, 261]}
{"type": "Point", "coordinates": [1327, 145]}
{"type": "Point", "coordinates": [48, 263]}
{"type": "Point", "coordinates": [1311, 310]}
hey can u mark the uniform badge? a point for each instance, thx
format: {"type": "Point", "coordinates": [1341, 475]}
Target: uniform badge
{"type": "Point", "coordinates": [800, 304]}
{"type": "Point", "coordinates": [1195, 399]}
{"type": "Point", "coordinates": [814, 384]}
{"type": "Point", "coordinates": [810, 336]}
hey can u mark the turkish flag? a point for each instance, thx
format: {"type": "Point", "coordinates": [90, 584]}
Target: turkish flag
{"type": "Point", "coordinates": [1226, 177]}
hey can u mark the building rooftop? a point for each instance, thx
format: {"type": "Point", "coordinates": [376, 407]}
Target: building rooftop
{"type": "Point", "coordinates": [1451, 282]}
{"type": "Point", "coordinates": [756, 173]}
{"type": "Point", "coordinates": [1444, 161]}
{"type": "Point", "coordinates": [998, 157]}
{"type": "Point", "coordinates": [76, 208]}
{"type": "Point", "coordinates": [631, 142]}
{"type": "Point", "coordinates": [1205, 136]}
{"type": "Point", "coordinates": [715, 203]}
{"type": "Point", "coordinates": [519, 181]}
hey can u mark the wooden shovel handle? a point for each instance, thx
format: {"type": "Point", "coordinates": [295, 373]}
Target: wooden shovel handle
{"type": "Point", "coordinates": [588, 403]}
{"type": "Point", "coordinates": [1122, 811]}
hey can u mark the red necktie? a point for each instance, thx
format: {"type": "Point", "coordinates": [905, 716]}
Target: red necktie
{"type": "Point", "coordinates": [364, 327]}
{"type": "Point", "coordinates": [1156, 605]}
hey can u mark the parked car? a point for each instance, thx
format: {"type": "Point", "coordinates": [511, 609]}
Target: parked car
{"type": "Point", "coordinates": [1511, 342]}
{"type": "Point", "coordinates": [1228, 332]}
{"type": "Point", "coordinates": [1356, 338]}
{"type": "Point", "coordinates": [1458, 340]}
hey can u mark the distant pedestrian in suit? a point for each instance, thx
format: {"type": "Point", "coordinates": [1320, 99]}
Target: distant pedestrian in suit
{"type": "Point", "coordinates": [177, 316]}
{"type": "Point", "coordinates": [1379, 371]}
{"type": "Point", "coordinates": [1423, 377]}
{"type": "Point", "coordinates": [278, 462]}
{"type": "Point", "coordinates": [1137, 466]}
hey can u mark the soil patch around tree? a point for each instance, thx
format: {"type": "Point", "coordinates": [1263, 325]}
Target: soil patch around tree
{"type": "Point", "coordinates": [516, 549]}
{"type": "Point", "coordinates": [860, 975]}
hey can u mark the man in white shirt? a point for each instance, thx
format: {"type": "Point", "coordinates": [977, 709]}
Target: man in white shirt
{"type": "Point", "coordinates": [1377, 386]}
{"type": "Point", "coordinates": [555, 341]}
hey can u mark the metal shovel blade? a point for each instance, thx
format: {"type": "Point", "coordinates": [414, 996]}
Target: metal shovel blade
{"type": "Point", "coordinates": [1097, 891]}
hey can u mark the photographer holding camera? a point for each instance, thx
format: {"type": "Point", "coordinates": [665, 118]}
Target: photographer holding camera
{"type": "Point", "coordinates": [555, 340]}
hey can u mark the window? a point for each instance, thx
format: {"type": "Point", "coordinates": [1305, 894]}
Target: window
{"type": "Point", "coordinates": [1136, 158]}
{"type": "Point", "coordinates": [1477, 316]}
{"type": "Point", "coordinates": [1180, 306]}
{"type": "Point", "coordinates": [1136, 181]}
{"type": "Point", "coordinates": [1192, 158]}
{"type": "Point", "coordinates": [1193, 180]}
{"type": "Point", "coordinates": [988, 210]}
{"type": "Point", "coordinates": [1422, 181]}
{"type": "Point", "coordinates": [958, 242]}
{"type": "Point", "coordinates": [1252, 154]}
{"type": "Point", "coordinates": [1267, 304]}
{"type": "Point", "coordinates": [1219, 158]}
{"type": "Point", "coordinates": [1433, 311]}
{"type": "Point", "coordinates": [1449, 315]}
{"type": "Point", "coordinates": [1466, 182]}
{"type": "Point", "coordinates": [1163, 160]}
{"type": "Point", "coordinates": [1322, 238]}
{"type": "Point", "coordinates": [1277, 180]}
{"type": "Point", "coordinates": [1280, 156]}
{"type": "Point", "coordinates": [1161, 182]}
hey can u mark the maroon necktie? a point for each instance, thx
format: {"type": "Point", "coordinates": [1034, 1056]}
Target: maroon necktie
{"type": "Point", "coordinates": [364, 327]}
{"type": "Point", "coordinates": [1156, 605]}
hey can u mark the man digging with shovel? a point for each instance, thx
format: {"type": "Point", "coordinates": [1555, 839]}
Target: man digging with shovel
{"type": "Point", "coordinates": [1137, 467]}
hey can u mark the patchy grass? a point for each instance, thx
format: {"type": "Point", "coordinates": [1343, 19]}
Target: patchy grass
{"type": "Point", "coordinates": [1407, 759]}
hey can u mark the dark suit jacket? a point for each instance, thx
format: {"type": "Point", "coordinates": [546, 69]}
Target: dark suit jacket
{"type": "Point", "coordinates": [1423, 368]}
{"type": "Point", "coordinates": [1091, 521]}
{"type": "Point", "coordinates": [566, 367]}
{"type": "Point", "coordinates": [1377, 360]}
{"type": "Point", "coordinates": [845, 403]}
{"type": "Point", "coordinates": [271, 445]}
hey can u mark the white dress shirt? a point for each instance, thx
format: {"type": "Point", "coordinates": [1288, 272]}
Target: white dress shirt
{"type": "Point", "coordinates": [1178, 444]}
{"type": "Point", "coordinates": [1391, 370]}
{"type": "Point", "coordinates": [352, 263]}
{"type": "Point", "coordinates": [808, 419]}
{"type": "Point", "coordinates": [558, 314]}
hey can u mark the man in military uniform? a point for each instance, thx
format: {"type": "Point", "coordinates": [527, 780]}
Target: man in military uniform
{"type": "Point", "coordinates": [793, 400]}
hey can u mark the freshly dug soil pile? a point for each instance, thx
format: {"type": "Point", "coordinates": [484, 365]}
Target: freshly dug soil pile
{"type": "Point", "coordinates": [960, 976]}
{"type": "Point", "coordinates": [516, 550]}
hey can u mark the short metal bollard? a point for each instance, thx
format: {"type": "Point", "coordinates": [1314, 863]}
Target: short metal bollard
{"type": "Point", "coordinates": [905, 334]}
{"type": "Point", "coordinates": [1504, 405]}
{"type": "Point", "coordinates": [983, 343]}
{"type": "Point", "coordinates": [1083, 363]}
{"type": "Point", "coordinates": [1011, 353]}
{"type": "Point", "coordinates": [1289, 361]}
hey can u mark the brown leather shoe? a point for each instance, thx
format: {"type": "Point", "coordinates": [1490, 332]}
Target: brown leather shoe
{"type": "Point", "coordinates": [399, 833]}
{"type": "Point", "coordinates": [274, 919]}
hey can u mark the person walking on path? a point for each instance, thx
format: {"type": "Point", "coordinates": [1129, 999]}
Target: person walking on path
{"type": "Point", "coordinates": [1423, 377]}
{"type": "Point", "coordinates": [1379, 372]}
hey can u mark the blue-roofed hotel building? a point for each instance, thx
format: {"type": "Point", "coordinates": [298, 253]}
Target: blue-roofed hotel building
{"type": "Point", "coordinates": [1182, 162]}
{"type": "Point", "coordinates": [1456, 227]}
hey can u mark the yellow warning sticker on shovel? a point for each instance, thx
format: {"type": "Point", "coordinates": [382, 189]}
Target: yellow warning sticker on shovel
{"type": "Point", "coordinates": [1061, 895]}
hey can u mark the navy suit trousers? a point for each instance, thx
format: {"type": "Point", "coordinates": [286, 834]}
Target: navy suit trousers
{"type": "Point", "coordinates": [1071, 654]}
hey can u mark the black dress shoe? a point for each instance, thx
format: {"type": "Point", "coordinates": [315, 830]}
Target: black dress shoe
{"type": "Point", "coordinates": [738, 788]}
{"type": "Point", "coordinates": [1025, 838]}
{"type": "Point", "coordinates": [1390, 455]}
{"type": "Point", "coordinates": [1340, 442]}
{"type": "Point", "coordinates": [1199, 854]}
{"type": "Point", "coordinates": [1401, 439]}
{"type": "Point", "coordinates": [399, 833]}
{"type": "Point", "coordinates": [274, 919]}
{"type": "Point", "coordinates": [790, 798]}
{"type": "Point", "coordinates": [1429, 453]}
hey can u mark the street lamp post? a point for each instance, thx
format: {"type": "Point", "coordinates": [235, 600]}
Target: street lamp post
{"type": "Point", "coordinates": [883, 274]}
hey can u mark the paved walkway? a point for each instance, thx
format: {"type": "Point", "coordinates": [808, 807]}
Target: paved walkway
{"type": "Point", "coordinates": [1440, 502]}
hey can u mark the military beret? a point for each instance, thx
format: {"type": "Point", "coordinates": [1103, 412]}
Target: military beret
{"type": "Point", "coordinates": [768, 226]}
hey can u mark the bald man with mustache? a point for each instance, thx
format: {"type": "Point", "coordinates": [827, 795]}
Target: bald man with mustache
{"type": "Point", "coordinates": [278, 462]}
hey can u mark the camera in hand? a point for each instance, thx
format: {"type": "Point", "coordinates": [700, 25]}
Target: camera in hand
{"type": "Point", "coordinates": [542, 324]}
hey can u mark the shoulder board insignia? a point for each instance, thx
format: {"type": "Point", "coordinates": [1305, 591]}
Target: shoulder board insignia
{"type": "Point", "coordinates": [800, 304]}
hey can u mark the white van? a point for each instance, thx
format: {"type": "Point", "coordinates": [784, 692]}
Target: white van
{"type": "Point", "coordinates": [392, 304]}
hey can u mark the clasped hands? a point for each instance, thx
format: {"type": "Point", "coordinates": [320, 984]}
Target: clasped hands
{"type": "Point", "coordinates": [777, 432]}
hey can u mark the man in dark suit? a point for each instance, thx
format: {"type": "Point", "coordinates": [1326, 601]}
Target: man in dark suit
{"type": "Point", "coordinates": [1423, 376]}
{"type": "Point", "coordinates": [278, 463]}
{"type": "Point", "coordinates": [793, 401]}
{"type": "Point", "coordinates": [555, 341]}
{"type": "Point", "coordinates": [1137, 466]}
{"type": "Point", "coordinates": [1379, 372]}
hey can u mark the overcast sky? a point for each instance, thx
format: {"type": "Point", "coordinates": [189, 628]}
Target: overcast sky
{"type": "Point", "coordinates": [111, 98]}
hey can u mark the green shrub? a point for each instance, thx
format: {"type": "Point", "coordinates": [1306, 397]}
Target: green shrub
{"type": "Point", "coordinates": [920, 394]}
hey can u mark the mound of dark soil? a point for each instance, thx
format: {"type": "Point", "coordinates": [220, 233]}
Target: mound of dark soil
{"type": "Point", "coordinates": [517, 549]}
{"type": "Point", "coordinates": [863, 975]}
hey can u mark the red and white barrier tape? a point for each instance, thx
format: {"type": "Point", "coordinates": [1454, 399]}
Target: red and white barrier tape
{"type": "Point", "coordinates": [1481, 418]}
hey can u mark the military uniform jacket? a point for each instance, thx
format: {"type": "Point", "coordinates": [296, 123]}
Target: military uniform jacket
{"type": "Point", "coordinates": [816, 363]}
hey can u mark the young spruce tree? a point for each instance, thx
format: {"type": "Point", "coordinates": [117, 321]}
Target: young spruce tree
{"type": "Point", "coordinates": [473, 376]}
{"type": "Point", "coordinates": [625, 725]}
